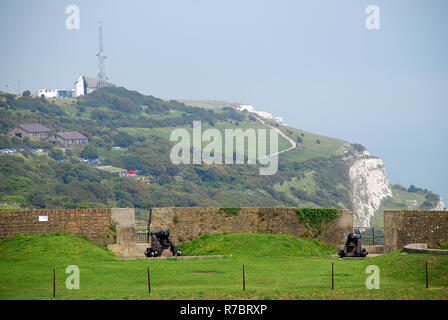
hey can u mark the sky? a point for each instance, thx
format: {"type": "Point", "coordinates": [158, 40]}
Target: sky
{"type": "Point", "coordinates": [314, 63]}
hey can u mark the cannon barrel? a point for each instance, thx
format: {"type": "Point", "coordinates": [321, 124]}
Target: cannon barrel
{"type": "Point", "coordinates": [353, 237]}
{"type": "Point", "coordinates": [161, 234]}
{"type": "Point", "coordinates": [353, 247]}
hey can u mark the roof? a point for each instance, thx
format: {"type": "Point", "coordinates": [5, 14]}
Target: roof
{"type": "Point", "coordinates": [92, 82]}
{"type": "Point", "coordinates": [71, 135]}
{"type": "Point", "coordinates": [34, 128]}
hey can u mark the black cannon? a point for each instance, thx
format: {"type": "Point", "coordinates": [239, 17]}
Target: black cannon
{"type": "Point", "coordinates": [353, 247]}
{"type": "Point", "coordinates": [160, 242]}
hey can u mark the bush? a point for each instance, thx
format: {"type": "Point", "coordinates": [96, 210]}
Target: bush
{"type": "Point", "coordinates": [122, 139]}
{"type": "Point", "coordinates": [442, 245]}
{"type": "Point", "coordinates": [231, 211]}
{"type": "Point", "coordinates": [13, 199]}
{"type": "Point", "coordinates": [313, 218]}
{"type": "Point", "coordinates": [89, 152]}
{"type": "Point", "coordinates": [56, 154]}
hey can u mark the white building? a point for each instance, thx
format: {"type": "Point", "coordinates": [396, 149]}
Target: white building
{"type": "Point", "coordinates": [55, 93]}
{"type": "Point", "coordinates": [86, 85]}
{"type": "Point", "coordinates": [263, 114]}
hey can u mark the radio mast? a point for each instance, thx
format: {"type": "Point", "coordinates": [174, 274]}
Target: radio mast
{"type": "Point", "coordinates": [101, 57]}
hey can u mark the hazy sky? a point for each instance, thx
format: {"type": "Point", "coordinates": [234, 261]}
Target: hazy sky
{"type": "Point", "coordinates": [314, 63]}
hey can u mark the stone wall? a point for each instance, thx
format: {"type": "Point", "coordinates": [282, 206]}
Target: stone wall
{"type": "Point", "coordinates": [93, 224]}
{"type": "Point", "coordinates": [186, 224]}
{"type": "Point", "coordinates": [124, 220]}
{"type": "Point", "coordinates": [405, 227]}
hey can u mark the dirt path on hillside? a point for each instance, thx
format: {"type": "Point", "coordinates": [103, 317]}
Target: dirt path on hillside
{"type": "Point", "coordinates": [291, 141]}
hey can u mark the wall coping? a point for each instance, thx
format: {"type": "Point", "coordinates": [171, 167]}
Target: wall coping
{"type": "Point", "coordinates": [417, 211]}
{"type": "Point", "coordinates": [422, 248]}
{"type": "Point", "coordinates": [256, 207]}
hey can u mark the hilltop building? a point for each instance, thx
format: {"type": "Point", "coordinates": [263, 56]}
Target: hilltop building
{"type": "Point", "coordinates": [86, 85]}
{"type": "Point", "coordinates": [55, 93]}
{"type": "Point", "coordinates": [32, 131]}
{"type": "Point", "coordinates": [263, 114]}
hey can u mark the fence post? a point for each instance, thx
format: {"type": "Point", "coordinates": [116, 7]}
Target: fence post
{"type": "Point", "coordinates": [54, 283]}
{"type": "Point", "coordinates": [149, 282]}
{"type": "Point", "coordinates": [332, 276]}
{"type": "Point", "coordinates": [373, 230]}
{"type": "Point", "coordinates": [244, 280]}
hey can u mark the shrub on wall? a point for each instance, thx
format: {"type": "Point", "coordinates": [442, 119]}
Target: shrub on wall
{"type": "Point", "coordinates": [442, 245]}
{"type": "Point", "coordinates": [231, 211]}
{"type": "Point", "coordinates": [313, 218]}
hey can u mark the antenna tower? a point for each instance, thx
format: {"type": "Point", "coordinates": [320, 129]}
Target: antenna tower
{"type": "Point", "coordinates": [101, 57]}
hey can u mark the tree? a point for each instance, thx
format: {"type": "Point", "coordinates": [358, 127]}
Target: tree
{"type": "Point", "coordinates": [56, 154]}
{"type": "Point", "coordinates": [38, 198]}
{"type": "Point", "coordinates": [89, 152]}
{"type": "Point", "coordinates": [317, 141]}
{"type": "Point", "coordinates": [122, 139]}
{"type": "Point", "coordinates": [299, 140]}
{"type": "Point", "coordinates": [26, 93]}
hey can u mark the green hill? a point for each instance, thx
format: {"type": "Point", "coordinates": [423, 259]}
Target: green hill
{"type": "Point", "coordinates": [51, 249]}
{"type": "Point", "coordinates": [141, 125]}
{"type": "Point", "coordinates": [311, 175]}
{"type": "Point", "coordinates": [256, 245]}
{"type": "Point", "coordinates": [407, 199]}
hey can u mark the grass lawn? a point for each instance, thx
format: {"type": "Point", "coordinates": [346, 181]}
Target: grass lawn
{"type": "Point", "coordinates": [309, 149]}
{"type": "Point", "coordinates": [277, 267]}
{"type": "Point", "coordinates": [165, 133]}
{"type": "Point", "coordinates": [112, 153]}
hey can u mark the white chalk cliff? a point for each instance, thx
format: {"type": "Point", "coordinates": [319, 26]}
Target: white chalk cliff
{"type": "Point", "coordinates": [370, 186]}
{"type": "Point", "coordinates": [262, 114]}
{"type": "Point", "coordinates": [440, 206]}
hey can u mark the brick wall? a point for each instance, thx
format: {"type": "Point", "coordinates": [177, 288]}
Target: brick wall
{"type": "Point", "coordinates": [405, 227]}
{"type": "Point", "coordinates": [185, 224]}
{"type": "Point", "coordinates": [93, 224]}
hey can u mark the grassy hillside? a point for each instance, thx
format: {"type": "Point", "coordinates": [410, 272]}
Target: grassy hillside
{"type": "Point", "coordinates": [140, 125]}
{"type": "Point", "coordinates": [52, 249]}
{"type": "Point", "coordinates": [256, 245]}
{"type": "Point", "coordinates": [27, 263]}
{"type": "Point", "coordinates": [310, 175]}
{"type": "Point", "coordinates": [405, 199]}
{"type": "Point", "coordinates": [209, 104]}
{"type": "Point", "coordinates": [307, 146]}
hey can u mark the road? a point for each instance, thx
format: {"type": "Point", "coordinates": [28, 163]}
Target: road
{"type": "Point", "coordinates": [291, 141]}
